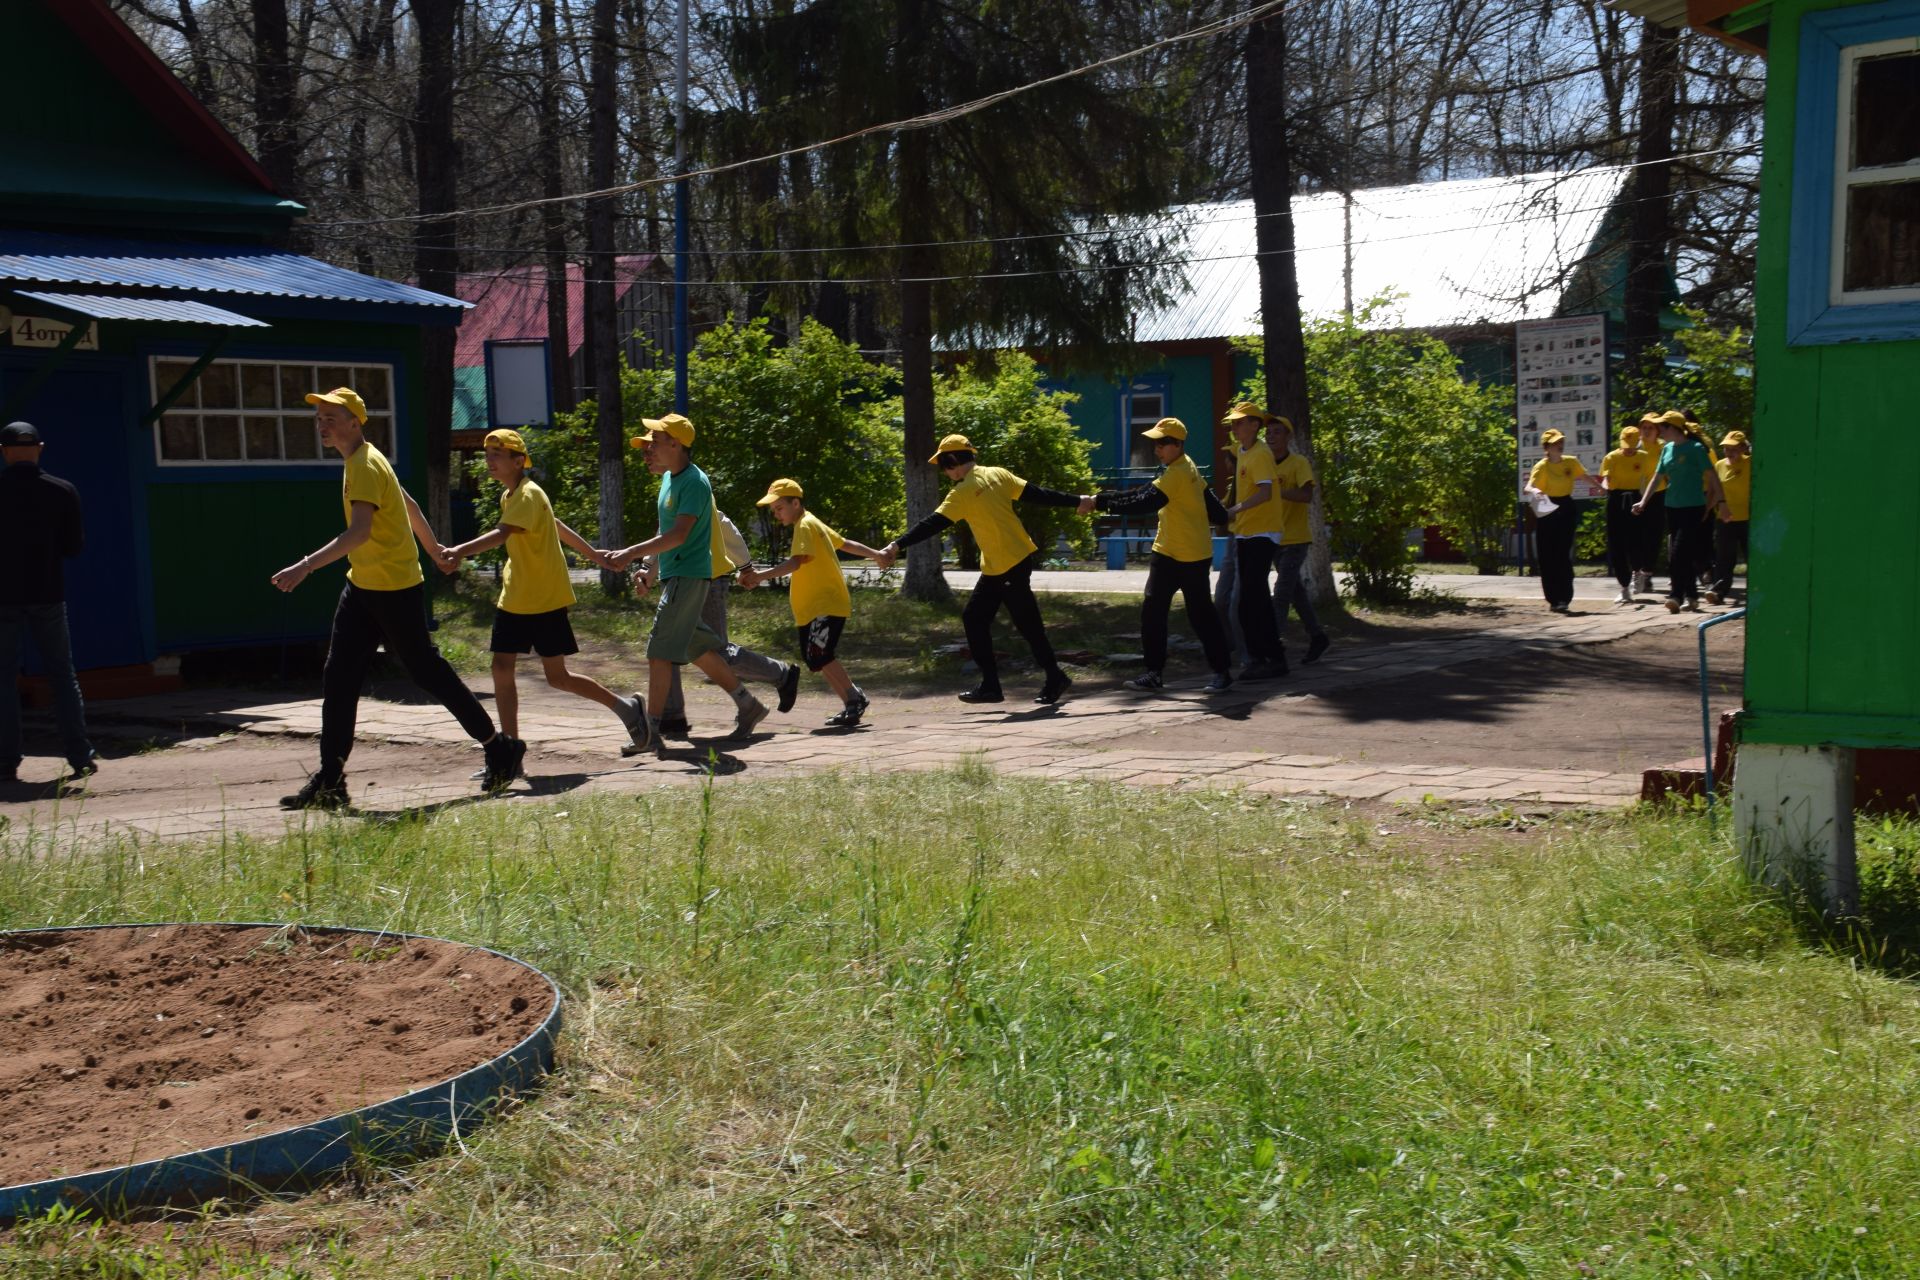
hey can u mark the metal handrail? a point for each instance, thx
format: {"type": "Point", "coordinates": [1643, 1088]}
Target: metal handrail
{"type": "Point", "coordinates": [1706, 711]}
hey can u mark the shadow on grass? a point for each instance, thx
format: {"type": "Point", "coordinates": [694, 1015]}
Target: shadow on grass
{"type": "Point", "coordinates": [538, 786]}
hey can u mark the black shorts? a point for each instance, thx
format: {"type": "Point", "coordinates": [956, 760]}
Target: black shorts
{"type": "Point", "coordinates": [548, 634]}
{"type": "Point", "coordinates": [820, 640]}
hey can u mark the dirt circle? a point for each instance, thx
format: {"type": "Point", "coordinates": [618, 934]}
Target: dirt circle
{"type": "Point", "coordinates": [130, 1043]}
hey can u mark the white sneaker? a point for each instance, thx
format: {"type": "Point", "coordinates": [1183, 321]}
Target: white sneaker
{"type": "Point", "coordinates": [1625, 597]}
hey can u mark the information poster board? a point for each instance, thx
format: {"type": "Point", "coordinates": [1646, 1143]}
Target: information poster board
{"type": "Point", "coordinates": [1560, 382]}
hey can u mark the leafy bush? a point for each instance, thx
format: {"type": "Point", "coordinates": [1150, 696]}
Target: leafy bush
{"type": "Point", "coordinates": [813, 410]}
{"type": "Point", "coordinates": [1716, 382]}
{"type": "Point", "coordinates": [1015, 424]}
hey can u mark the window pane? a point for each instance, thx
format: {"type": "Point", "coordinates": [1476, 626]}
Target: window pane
{"type": "Point", "coordinates": [329, 376]}
{"type": "Point", "coordinates": [222, 436]}
{"type": "Point", "coordinates": [1886, 127]}
{"type": "Point", "coordinates": [302, 439]}
{"type": "Point", "coordinates": [295, 381]}
{"type": "Point", "coordinates": [168, 372]}
{"type": "Point", "coordinates": [371, 383]}
{"type": "Point", "coordinates": [263, 438]}
{"type": "Point", "coordinates": [257, 389]}
{"type": "Point", "coordinates": [219, 388]}
{"type": "Point", "coordinates": [180, 437]}
{"type": "Point", "coordinates": [1883, 236]}
{"type": "Point", "coordinates": [380, 431]}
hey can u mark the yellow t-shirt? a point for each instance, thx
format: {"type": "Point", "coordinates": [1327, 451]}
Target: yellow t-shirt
{"type": "Point", "coordinates": [1736, 479]}
{"type": "Point", "coordinates": [1555, 479]}
{"type": "Point", "coordinates": [388, 560]}
{"type": "Point", "coordinates": [535, 580]}
{"type": "Point", "coordinates": [1250, 468]}
{"type": "Point", "coordinates": [1625, 470]}
{"type": "Point", "coordinates": [1182, 533]}
{"type": "Point", "coordinates": [818, 588]}
{"type": "Point", "coordinates": [985, 501]}
{"type": "Point", "coordinates": [722, 562]}
{"type": "Point", "coordinates": [1293, 472]}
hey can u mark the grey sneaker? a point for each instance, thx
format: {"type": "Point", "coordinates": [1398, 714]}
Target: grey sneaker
{"type": "Point", "coordinates": [1146, 682]}
{"type": "Point", "coordinates": [748, 714]}
{"type": "Point", "coordinates": [639, 735]}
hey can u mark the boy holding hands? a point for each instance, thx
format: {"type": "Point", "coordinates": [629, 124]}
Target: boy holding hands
{"type": "Point", "coordinates": [819, 596]}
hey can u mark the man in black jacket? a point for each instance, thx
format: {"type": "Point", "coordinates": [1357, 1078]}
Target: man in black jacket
{"type": "Point", "coordinates": [39, 528]}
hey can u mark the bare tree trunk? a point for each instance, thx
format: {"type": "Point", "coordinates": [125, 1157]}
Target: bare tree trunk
{"type": "Point", "coordinates": [923, 579]}
{"type": "Point", "coordinates": [436, 252]}
{"type": "Point", "coordinates": [602, 313]}
{"type": "Point", "coordinates": [276, 128]}
{"type": "Point", "coordinates": [1651, 188]}
{"type": "Point", "coordinates": [1284, 343]}
{"type": "Point", "coordinates": [553, 227]}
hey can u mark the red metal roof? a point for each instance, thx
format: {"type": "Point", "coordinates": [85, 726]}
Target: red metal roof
{"type": "Point", "coordinates": [513, 304]}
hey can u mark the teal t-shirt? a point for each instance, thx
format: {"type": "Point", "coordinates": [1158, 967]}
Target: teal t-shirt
{"type": "Point", "coordinates": [687, 494]}
{"type": "Point", "coordinates": [1684, 463]}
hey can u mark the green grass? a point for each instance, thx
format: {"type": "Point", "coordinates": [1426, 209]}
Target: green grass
{"type": "Point", "coordinates": [954, 1025]}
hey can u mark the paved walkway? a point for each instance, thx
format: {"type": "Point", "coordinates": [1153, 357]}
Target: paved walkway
{"type": "Point", "coordinates": [1467, 586]}
{"type": "Point", "coordinates": [1015, 738]}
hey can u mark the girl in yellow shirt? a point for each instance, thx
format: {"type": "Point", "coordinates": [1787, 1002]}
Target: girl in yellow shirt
{"type": "Point", "coordinates": [1623, 474]}
{"type": "Point", "coordinates": [1554, 475]}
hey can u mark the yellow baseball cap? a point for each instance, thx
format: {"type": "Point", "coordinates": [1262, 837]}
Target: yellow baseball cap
{"type": "Point", "coordinates": [1649, 419]}
{"type": "Point", "coordinates": [1247, 409]}
{"type": "Point", "coordinates": [782, 488]}
{"type": "Point", "coordinates": [1551, 436]}
{"type": "Point", "coordinates": [1675, 418]}
{"type": "Point", "coordinates": [1733, 437]}
{"type": "Point", "coordinates": [952, 444]}
{"type": "Point", "coordinates": [502, 438]}
{"type": "Point", "coordinates": [1166, 429]}
{"type": "Point", "coordinates": [346, 397]}
{"type": "Point", "coordinates": [673, 424]}
{"type": "Point", "coordinates": [1629, 435]}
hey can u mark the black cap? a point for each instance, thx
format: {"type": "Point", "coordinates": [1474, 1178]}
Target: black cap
{"type": "Point", "coordinates": [19, 433]}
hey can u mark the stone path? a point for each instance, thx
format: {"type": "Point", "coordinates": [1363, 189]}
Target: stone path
{"type": "Point", "coordinates": [579, 749]}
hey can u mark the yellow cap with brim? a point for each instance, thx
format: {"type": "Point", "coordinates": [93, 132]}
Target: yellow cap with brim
{"type": "Point", "coordinates": [346, 397]}
{"type": "Point", "coordinates": [1733, 437]}
{"type": "Point", "coordinates": [1675, 418]}
{"type": "Point", "coordinates": [1247, 409]}
{"type": "Point", "coordinates": [951, 444]}
{"type": "Point", "coordinates": [1553, 437]}
{"type": "Point", "coordinates": [504, 438]}
{"type": "Point", "coordinates": [1629, 436]}
{"type": "Point", "coordinates": [673, 425]}
{"type": "Point", "coordinates": [782, 488]}
{"type": "Point", "coordinates": [1166, 429]}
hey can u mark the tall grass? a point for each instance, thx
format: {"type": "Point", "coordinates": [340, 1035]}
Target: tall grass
{"type": "Point", "coordinates": [949, 1024]}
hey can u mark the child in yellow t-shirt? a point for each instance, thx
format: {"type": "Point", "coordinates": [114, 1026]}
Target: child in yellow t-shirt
{"type": "Point", "coordinates": [818, 592]}
{"type": "Point", "coordinates": [531, 613]}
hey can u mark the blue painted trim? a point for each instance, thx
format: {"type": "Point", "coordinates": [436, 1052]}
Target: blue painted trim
{"type": "Point", "coordinates": [415, 1122]}
{"type": "Point", "coordinates": [1811, 318]}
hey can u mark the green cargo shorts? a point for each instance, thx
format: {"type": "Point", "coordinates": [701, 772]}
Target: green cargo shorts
{"type": "Point", "coordinates": [679, 636]}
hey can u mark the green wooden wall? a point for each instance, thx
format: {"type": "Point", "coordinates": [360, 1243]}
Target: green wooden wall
{"type": "Point", "coordinates": [1833, 624]}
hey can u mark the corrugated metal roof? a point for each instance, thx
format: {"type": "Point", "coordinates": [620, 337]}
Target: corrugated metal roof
{"type": "Point", "coordinates": [39, 257]}
{"type": "Point", "coordinates": [513, 304]}
{"type": "Point", "coordinates": [1480, 251]}
{"type": "Point", "coordinates": [169, 310]}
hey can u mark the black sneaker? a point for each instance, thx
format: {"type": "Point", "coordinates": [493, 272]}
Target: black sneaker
{"type": "Point", "coordinates": [81, 766]}
{"type": "Point", "coordinates": [504, 757]}
{"type": "Point", "coordinates": [1058, 682]}
{"type": "Point", "coordinates": [1315, 647]}
{"type": "Point", "coordinates": [675, 727]}
{"type": "Point", "coordinates": [1220, 683]}
{"type": "Point", "coordinates": [789, 687]}
{"type": "Point", "coordinates": [321, 792]}
{"type": "Point", "coordinates": [1146, 682]}
{"type": "Point", "coordinates": [848, 717]}
{"type": "Point", "coordinates": [984, 693]}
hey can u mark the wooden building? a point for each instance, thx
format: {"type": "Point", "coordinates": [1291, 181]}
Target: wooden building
{"type": "Point", "coordinates": [163, 343]}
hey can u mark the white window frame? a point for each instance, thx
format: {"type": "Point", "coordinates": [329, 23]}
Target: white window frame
{"type": "Point", "coordinates": [1136, 423]}
{"type": "Point", "coordinates": [325, 457]}
{"type": "Point", "coordinates": [1846, 178]}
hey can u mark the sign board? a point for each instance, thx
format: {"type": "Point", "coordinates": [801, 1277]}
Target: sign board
{"type": "Point", "coordinates": [519, 383]}
{"type": "Point", "coordinates": [1560, 383]}
{"type": "Point", "coordinates": [32, 331]}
